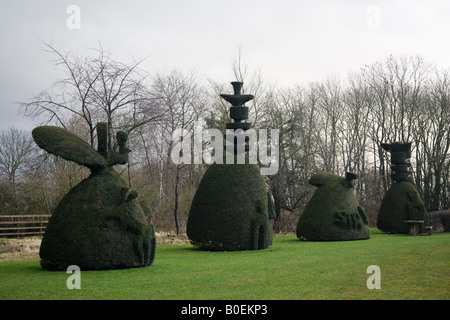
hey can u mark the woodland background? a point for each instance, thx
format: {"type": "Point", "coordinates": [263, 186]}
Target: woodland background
{"type": "Point", "coordinates": [334, 125]}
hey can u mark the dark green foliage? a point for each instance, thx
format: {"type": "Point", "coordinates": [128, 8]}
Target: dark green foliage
{"type": "Point", "coordinates": [65, 144]}
{"type": "Point", "coordinates": [401, 202]}
{"type": "Point", "coordinates": [98, 225]}
{"type": "Point", "coordinates": [333, 214]}
{"type": "Point", "coordinates": [239, 125]}
{"type": "Point", "coordinates": [239, 113]}
{"type": "Point", "coordinates": [231, 209]}
{"type": "Point", "coordinates": [237, 99]}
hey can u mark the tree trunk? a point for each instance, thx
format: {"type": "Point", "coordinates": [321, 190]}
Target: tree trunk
{"type": "Point", "coordinates": [175, 212]}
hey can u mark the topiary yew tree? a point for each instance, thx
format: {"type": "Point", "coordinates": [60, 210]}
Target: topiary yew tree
{"type": "Point", "coordinates": [402, 201]}
{"type": "Point", "coordinates": [333, 213]}
{"type": "Point", "coordinates": [98, 224]}
{"type": "Point", "coordinates": [232, 207]}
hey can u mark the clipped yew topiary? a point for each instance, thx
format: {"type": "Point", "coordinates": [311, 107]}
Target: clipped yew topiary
{"type": "Point", "coordinates": [98, 224]}
{"type": "Point", "coordinates": [402, 202]}
{"type": "Point", "coordinates": [232, 207]}
{"type": "Point", "coordinates": [332, 213]}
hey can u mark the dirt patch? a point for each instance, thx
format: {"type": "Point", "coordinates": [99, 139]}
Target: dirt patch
{"type": "Point", "coordinates": [164, 238]}
{"type": "Point", "coordinates": [17, 249]}
{"type": "Point", "coordinates": [28, 248]}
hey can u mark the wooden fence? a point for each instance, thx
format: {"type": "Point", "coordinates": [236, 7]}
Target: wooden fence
{"type": "Point", "coordinates": [23, 225]}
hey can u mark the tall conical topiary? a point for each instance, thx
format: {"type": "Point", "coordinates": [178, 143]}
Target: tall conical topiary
{"type": "Point", "coordinates": [333, 213]}
{"type": "Point", "coordinates": [98, 224]}
{"type": "Point", "coordinates": [402, 202]}
{"type": "Point", "coordinates": [232, 207]}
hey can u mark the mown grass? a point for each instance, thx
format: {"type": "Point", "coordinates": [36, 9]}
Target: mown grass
{"type": "Point", "coordinates": [411, 268]}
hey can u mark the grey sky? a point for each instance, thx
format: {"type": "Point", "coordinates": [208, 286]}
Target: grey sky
{"type": "Point", "coordinates": [293, 41]}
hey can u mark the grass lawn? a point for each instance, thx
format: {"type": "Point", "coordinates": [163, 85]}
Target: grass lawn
{"type": "Point", "coordinates": [411, 268]}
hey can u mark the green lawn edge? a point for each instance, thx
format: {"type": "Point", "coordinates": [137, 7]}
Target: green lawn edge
{"type": "Point", "coordinates": [411, 268]}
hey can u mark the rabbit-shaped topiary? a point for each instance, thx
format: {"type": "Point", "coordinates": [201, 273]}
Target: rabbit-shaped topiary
{"type": "Point", "coordinates": [98, 224]}
{"type": "Point", "coordinates": [333, 213]}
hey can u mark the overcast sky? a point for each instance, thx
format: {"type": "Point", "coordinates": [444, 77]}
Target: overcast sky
{"type": "Point", "coordinates": [292, 41]}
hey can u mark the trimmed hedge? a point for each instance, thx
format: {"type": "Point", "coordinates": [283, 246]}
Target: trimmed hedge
{"type": "Point", "coordinates": [98, 224]}
{"type": "Point", "coordinates": [401, 202]}
{"type": "Point", "coordinates": [231, 210]}
{"type": "Point", "coordinates": [65, 144]}
{"type": "Point", "coordinates": [332, 213]}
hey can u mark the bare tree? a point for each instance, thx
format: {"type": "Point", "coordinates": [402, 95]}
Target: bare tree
{"type": "Point", "coordinates": [15, 150]}
{"type": "Point", "coordinates": [93, 90]}
{"type": "Point", "coordinates": [334, 125]}
{"type": "Point", "coordinates": [185, 100]}
{"type": "Point", "coordinates": [293, 113]}
{"type": "Point", "coordinates": [330, 109]}
{"type": "Point", "coordinates": [253, 84]}
{"type": "Point", "coordinates": [355, 136]}
{"type": "Point", "coordinates": [432, 136]}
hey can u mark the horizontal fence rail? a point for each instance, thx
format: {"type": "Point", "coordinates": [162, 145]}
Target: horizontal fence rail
{"type": "Point", "coordinates": [23, 225]}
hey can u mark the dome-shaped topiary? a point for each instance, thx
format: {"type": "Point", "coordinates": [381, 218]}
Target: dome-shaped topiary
{"type": "Point", "coordinates": [231, 209]}
{"type": "Point", "coordinates": [402, 201]}
{"type": "Point", "coordinates": [333, 213]}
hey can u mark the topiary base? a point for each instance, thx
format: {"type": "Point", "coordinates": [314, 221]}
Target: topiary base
{"type": "Point", "coordinates": [332, 213]}
{"type": "Point", "coordinates": [98, 225]}
{"type": "Point", "coordinates": [401, 202]}
{"type": "Point", "coordinates": [230, 210]}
